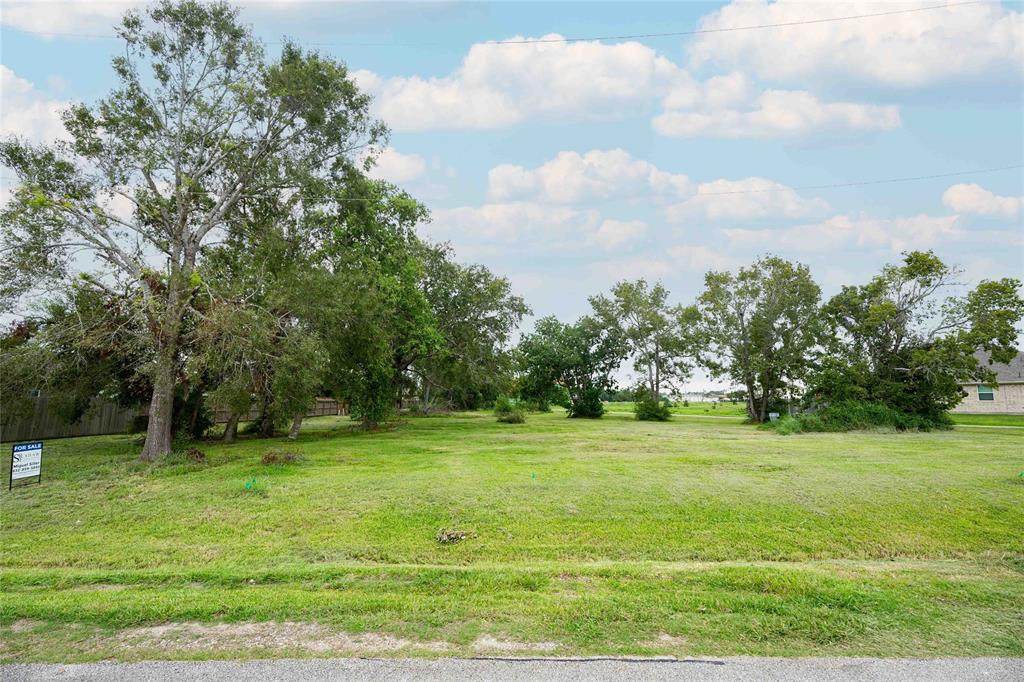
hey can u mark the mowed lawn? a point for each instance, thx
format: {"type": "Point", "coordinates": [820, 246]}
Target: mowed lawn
{"type": "Point", "coordinates": [692, 537]}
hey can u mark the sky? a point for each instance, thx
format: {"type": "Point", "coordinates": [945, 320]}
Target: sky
{"type": "Point", "coordinates": [567, 166]}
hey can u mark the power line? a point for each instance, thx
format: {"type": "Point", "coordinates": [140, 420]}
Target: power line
{"type": "Point", "coordinates": [531, 41]}
{"type": "Point", "coordinates": [861, 182]}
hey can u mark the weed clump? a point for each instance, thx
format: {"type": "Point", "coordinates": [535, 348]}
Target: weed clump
{"type": "Point", "coordinates": [277, 457]}
{"type": "Point", "coordinates": [195, 455]}
{"type": "Point", "coordinates": [448, 536]}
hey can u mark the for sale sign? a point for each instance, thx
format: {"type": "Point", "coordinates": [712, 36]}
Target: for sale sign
{"type": "Point", "coordinates": [26, 461]}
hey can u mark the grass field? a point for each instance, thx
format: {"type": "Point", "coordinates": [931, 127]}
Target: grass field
{"type": "Point", "coordinates": [728, 409]}
{"type": "Point", "coordinates": [694, 408]}
{"type": "Point", "coordinates": [988, 419]}
{"type": "Point", "coordinates": [692, 537]}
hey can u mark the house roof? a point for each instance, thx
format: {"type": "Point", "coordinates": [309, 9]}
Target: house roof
{"type": "Point", "coordinates": [1009, 373]}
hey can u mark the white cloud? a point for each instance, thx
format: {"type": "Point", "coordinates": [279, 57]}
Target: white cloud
{"type": "Point", "coordinates": [75, 16]}
{"type": "Point", "coordinates": [678, 260]}
{"type": "Point", "coordinates": [774, 113]}
{"type": "Point", "coordinates": [396, 167]}
{"type": "Point", "coordinates": [975, 199]}
{"type": "Point", "coordinates": [613, 234]}
{"type": "Point", "coordinates": [500, 85]}
{"type": "Point", "coordinates": [745, 199]}
{"type": "Point", "coordinates": [700, 258]}
{"type": "Point", "coordinates": [911, 49]}
{"type": "Point", "coordinates": [572, 177]}
{"type": "Point", "coordinates": [508, 223]}
{"type": "Point", "coordinates": [632, 268]}
{"type": "Point", "coordinates": [843, 232]}
{"type": "Point", "coordinates": [26, 111]}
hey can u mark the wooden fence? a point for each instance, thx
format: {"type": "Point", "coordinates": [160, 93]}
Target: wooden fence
{"type": "Point", "coordinates": [106, 417]}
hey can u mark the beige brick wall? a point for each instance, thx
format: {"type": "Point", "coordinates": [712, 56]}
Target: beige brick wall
{"type": "Point", "coordinates": [1009, 399]}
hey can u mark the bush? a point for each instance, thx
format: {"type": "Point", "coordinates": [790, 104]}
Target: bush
{"type": "Point", "coordinates": [539, 405]}
{"type": "Point", "coordinates": [852, 415]}
{"type": "Point", "coordinates": [509, 411]}
{"type": "Point", "coordinates": [648, 410]}
{"type": "Point", "coordinates": [588, 405]}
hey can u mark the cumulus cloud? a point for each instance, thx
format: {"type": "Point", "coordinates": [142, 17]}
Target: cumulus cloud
{"type": "Point", "coordinates": [396, 167]}
{"type": "Point", "coordinates": [773, 113]}
{"type": "Point", "coordinates": [500, 85]}
{"type": "Point", "coordinates": [77, 16]}
{"type": "Point", "coordinates": [571, 177]}
{"type": "Point", "coordinates": [976, 200]}
{"type": "Point", "coordinates": [632, 268]}
{"type": "Point", "coordinates": [898, 50]}
{"type": "Point", "coordinates": [700, 258]}
{"type": "Point", "coordinates": [749, 198]}
{"type": "Point", "coordinates": [613, 234]}
{"type": "Point", "coordinates": [677, 260]}
{"type": "Point", "coordinates": [596, 174]}
{"type": "Point", "coordinates": [28, 112]}
{"type": "Point", "coordinates": [842, 232]}
{"type": "Point", "coordinates": [507, 223]}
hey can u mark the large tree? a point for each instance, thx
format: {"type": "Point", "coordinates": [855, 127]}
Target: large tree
{"type": "Point", "coordinates": [475, 313]}
{"type": "Point", "coordinates": [759, 327]}
{"type": "Point", "coordinates": [580, 357]}
{"type": "Point", "coordinates": [371, 311]}
{"type": "Point", "coordinates": [651, 328]}
{"type": "Point", "coordinates": [905, 340]}
{"type": "Point", "coordinates": [198, 121]}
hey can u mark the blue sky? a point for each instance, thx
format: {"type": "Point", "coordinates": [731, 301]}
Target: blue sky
{"type": "Point", "coordinates": [567, 166]}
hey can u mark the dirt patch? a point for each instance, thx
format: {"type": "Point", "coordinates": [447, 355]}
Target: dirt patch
{"type": "Point", "coordinates": [24, 625]}
{"type": "Point", "coordinates": [665, 641]}
{"type": "Point", "coordinates": [311, 637]}
{"type": "Point", "coordinates": [489, 644]}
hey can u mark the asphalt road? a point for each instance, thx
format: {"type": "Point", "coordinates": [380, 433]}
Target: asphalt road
{"type": "Point", "coordinates": [418, 670]}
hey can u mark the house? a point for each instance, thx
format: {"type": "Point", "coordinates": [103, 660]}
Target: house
{"type": "Point", "coordinates": [1006, 397]}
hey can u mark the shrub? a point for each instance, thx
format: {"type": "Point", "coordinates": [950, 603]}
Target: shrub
{"type": "Point", "coordinates": [587, 405]}
{"type": "Point", "coordinates": [648, 410]}
{"type": "Point", "coordinates": [509, 411]}
{"type": "Point", "coordinates": [538, 405]}
{"type": "Point", "coordinates": [851, 415]}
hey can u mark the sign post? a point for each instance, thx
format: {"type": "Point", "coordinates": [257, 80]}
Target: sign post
{"type": "Point", "coordinates": [26, 462]}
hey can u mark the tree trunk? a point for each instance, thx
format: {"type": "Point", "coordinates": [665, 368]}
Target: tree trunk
{"type": "Point", "coordinates": [161, 404]}
{"type": "Point", "coordinates": [161, 408]}
{"type": "Point", "coordinates": [266, 425]}
{"type": "Point", "coordinates": [751, 408]}
{"type": "Point", "coordinates": [293, 433]}
{"type": "Point", "coordinates": [231, 428]}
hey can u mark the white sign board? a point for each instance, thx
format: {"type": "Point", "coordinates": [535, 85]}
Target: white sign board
{"type": "Point", "coordinates": [26, 460]}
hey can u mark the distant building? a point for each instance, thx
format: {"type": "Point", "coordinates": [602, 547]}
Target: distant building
{"type": "Point", "coordinates": [1006, 397]}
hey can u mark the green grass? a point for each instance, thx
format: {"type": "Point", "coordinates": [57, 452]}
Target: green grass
{"type": "Point", "coordinates": [692, 537]}
{"type": "Point", "coordinates": [987, 419]}
{"type": "Point", "coordinates": [694, 408]}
